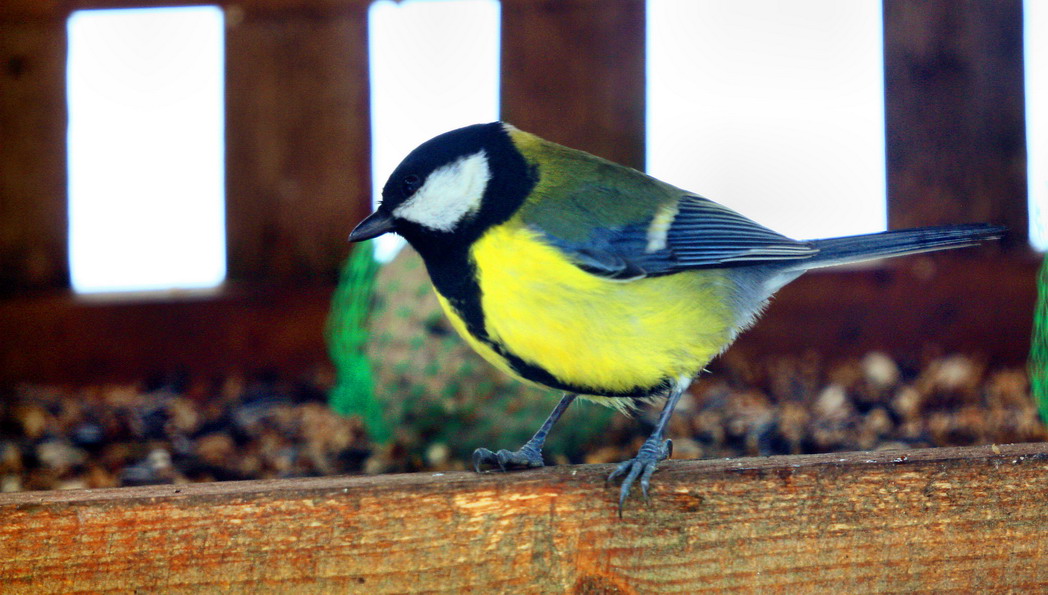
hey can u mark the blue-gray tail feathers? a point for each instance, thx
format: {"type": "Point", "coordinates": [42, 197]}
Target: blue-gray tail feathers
{"type": "Point", "coordinates": [834, 251]}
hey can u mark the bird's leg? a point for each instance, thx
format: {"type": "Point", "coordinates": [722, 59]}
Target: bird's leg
{"type": "Point", "coordinates": [529, 455]}
{"type": "Point", "coordinates": [653, 450]}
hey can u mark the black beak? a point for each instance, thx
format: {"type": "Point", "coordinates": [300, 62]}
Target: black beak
{"type": "Point", "coordinates": [373, 226]}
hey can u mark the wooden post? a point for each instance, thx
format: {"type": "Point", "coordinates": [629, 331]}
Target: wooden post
{"type": "Point", "coordinates": [299, 145]}
{"type": "Point", "coordinates": [955, 113]}
{"type": "Point", "coordinates": [33, 202]}
{"type": "Point", "coordinates": [573, 72]}
{"type": "Point", "coordinates": [959, 519]}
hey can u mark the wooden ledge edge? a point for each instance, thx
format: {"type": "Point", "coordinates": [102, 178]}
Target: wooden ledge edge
{"type": "Point", "coordinates": [673, 471]}
{"type": "Point", "coordinates": [948, 519]}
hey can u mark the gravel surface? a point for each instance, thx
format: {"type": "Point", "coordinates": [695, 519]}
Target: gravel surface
{"type": "Point", "coordinates": [190, 430]}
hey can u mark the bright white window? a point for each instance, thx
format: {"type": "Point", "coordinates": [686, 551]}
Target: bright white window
{"type": "Point", "coordinates": [434, 67]}
{"type": "Point", "coordinates": [773, 108]}
{"type": "Point", "coordinates": [146, 149]}
{"type": "Point", "coordinates": [1035, 14]}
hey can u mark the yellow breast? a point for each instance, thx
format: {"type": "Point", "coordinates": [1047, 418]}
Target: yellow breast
{"type": "Point", "coordinates": [590, 331]}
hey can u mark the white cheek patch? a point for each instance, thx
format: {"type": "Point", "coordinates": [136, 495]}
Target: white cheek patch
{"type": "Point", "coordinates": [449, 194]}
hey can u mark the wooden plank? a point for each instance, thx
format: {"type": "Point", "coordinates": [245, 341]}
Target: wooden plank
{"type": "Point", "coordinates": [60, 338]}
{"type": "Point", "coordinates": [977, 306]}
{"type": "Point", "coordinates": [34, 10]}
{"type": "Point", "coordinates": [957, 519]}
{"type": "Point", "coordinates": [956, 144]}
{"type": "Point", "coordinates": [298, 142]}
{"type": "Point", "coordinates": [573, 72]}
{"type": "Point", "coordinates": [968, 303]}
{"type": "Point", "coordinates": [33, 204]}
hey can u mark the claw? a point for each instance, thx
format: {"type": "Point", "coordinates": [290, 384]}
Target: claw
{"type": "Point", "coordinates": [482, 456]}
{"type": "Point", "coordinates": [503, 458]}
{"type": "Point", "coordinates": [645, 482]}
{"type": "Point", "coordinates": [653, 450]}
{"type": "Point", "coordinates": [525, 458]}
{"type": "Point", "coordinates": [619, 470]}
{"type": "Point", "coordinates": [642, 466]}
{"type": "Point", "coordinates": [530, 455]}
{"type": "Point", "coordinates": [635, 469]}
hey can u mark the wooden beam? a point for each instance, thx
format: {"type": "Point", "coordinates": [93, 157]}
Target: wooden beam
{"type": "Point", "coordinates": [573, 72]}
{"type": "Point", "coordinates": [978, 306]}
{"type": "Point", "coordinates": [62, 338]}
{"type": "Point", "coordinates": [59, 10]}
{"type": "Point", "coordinates": [956, 141]}
{"type": "Point", "coordinates": [298, 142]}
{"type": "Point", "coordinates": [967, 303]}
{"type": "Point", "coordinates": [33, 202]}
{"type": "Point", "coordinates": [956, 519]}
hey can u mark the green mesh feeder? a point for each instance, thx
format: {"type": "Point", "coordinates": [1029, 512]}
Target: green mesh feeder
{"type": "Point", "coordinates": [406, 372]}
{"type": "Point", "coordinates": [347, 337]}
{"type": "Point", "coordinates": [1039, 344]}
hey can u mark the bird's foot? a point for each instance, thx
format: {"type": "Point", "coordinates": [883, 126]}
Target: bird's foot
{"type": "Point", "coordinates": [642, 466]}
{"type": "Point", "coordinates": [527, 457]}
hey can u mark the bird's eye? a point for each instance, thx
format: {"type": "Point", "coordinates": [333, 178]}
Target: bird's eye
{"type": "Point", "coordinates": [410, 184]}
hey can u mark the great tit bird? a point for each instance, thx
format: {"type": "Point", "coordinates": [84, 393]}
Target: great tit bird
{"type": "Point", "coordinates": [572, 272]}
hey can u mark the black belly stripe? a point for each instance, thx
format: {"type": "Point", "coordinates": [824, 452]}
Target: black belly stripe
{"type": "Point", "coordinates": [454, 275]}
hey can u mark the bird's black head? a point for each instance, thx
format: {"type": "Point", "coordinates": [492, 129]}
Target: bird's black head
{"type": "Point", "coordinates": [451, 189]}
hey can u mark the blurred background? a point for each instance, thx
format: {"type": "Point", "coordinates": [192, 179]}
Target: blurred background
{"type": "Point", "coordinates": [178, 300]}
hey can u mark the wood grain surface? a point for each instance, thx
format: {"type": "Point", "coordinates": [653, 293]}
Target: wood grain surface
{"type": "Point", "coordinates": [959, 519]}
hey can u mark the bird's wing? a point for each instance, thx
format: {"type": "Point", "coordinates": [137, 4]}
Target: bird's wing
{"type": "Point", "coordinates": [692, 233]}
